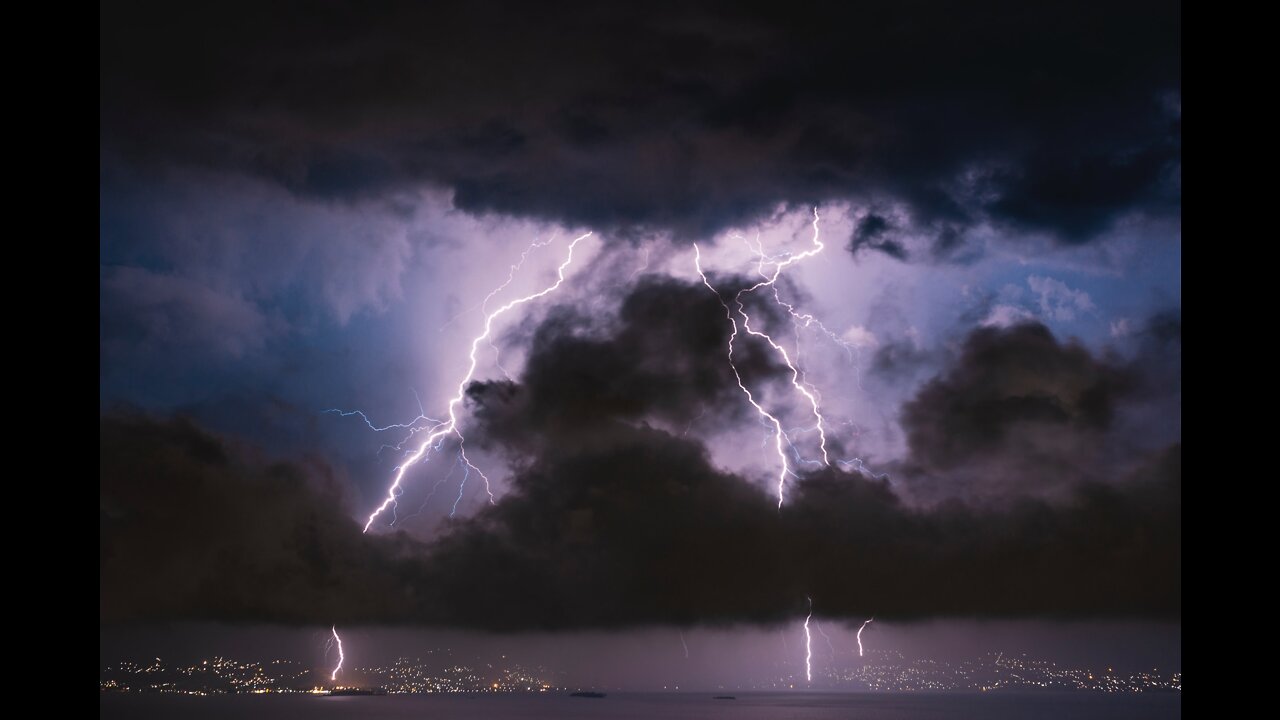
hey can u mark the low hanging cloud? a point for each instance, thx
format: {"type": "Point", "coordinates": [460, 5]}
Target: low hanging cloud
{"type": "Point", "coordinates": [633, 528]}
{"type": "Point", "coordinates": [613, 518]}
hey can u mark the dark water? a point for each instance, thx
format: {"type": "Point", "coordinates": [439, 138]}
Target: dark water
{"type": "Point", "coordinates": [638, 706]}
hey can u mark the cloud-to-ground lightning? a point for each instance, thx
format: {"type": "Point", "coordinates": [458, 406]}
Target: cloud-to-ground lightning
{"type": "Point", "coordinates": [864, 627]}
{"type": "Point", "coordinates": [808, 644]}
{"type": "Point", "coordinates": [450, 426]}
{"type": "Point", "coordinates": [334, 675]}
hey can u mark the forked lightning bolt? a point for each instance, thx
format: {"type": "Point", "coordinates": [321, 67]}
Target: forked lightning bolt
{"type": "Point", "coordinates": [511, 276]}
{"type": "Point", "coordinates": [450, 426]}
{"type": "Point", "coordinates": [770, 280]}
{"type": "Point", "coordinates": [334, 675]}
{"type": "Point", "coordinates": [778, 434]}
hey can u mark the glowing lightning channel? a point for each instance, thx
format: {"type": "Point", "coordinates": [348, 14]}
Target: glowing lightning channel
{"type": "Point", "coordinates": [334, 675]}
{"type": "Point", "coordinates": [511, 276]}
{"type": "Point", "coordinates": [644, 266]}
{"type": "Point", "coordinates": [451, 425]}
{"type": "Point", "coordinates": [808, 644]}
{"type": "Point", "coordinates": [864, 627]}
{"type": "Point", "coordinates": [780, 435]}
{"type": "Point", "coordinates": [411, 425]}
{"type": "Point", "coordinates": [796, 382]}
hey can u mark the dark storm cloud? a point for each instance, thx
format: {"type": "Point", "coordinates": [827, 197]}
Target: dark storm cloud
{"type": "Point", "coordinates": [1018, 411]}
{"type": "Point", "coordinates": [194, 526]}
{"type": "Point", "coordinates": [1046, 118]}
{"type": "Point", "coordinates": [662, 359]}
{"type": "Point", "coordinates": [873, 232]}
{"type": "Point", "coordinates": [613, 522]}
{"type": "Point", "coordinates": [610, 520]}
{"type": "Point", "coordinates": [633, 528]}
{"type": "Point", "coordinates": [636, 527]}
{"type": "Point", "coordinates": [1007, 382]}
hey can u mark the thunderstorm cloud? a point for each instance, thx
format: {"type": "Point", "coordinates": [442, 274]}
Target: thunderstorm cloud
{"type": "Point", "coordinates": [303, 206]}
{"type": "Point", "coordinates": [681, 117]}
{"type": "Point", "coordinates": [613, 519]}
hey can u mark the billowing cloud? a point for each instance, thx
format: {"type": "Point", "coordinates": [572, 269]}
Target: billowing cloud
{"type": "Point", "coordinates": [633, 528]}
{"type": "Point", "coordinates": [1058, 301]}
{"type": "Point", "coordinates": [1017, 411]}
{"type": "Point", "coordinates": [144, 312]}
{"type": "Point", "coordinates": [196, 526]}
{"type": "Point", "coordinates": [663, 360]}
{"type": "Point", "coordinates": [615, 517]}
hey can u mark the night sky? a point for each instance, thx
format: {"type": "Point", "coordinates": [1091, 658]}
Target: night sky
{"type": "Point", "coordinates": [303, 207]}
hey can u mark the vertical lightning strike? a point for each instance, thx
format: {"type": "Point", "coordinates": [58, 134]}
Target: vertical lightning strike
{"type": "Point", "coordinates": [334, 675]}
{"type": "Point", "coordinates": [864, 627]}
{"type": "Point", "coordinates": [451, 425]}
{"type": "Point", "coordinates": [808, 644]}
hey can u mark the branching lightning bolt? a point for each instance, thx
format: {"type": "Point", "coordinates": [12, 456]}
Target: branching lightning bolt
{"type": "Point", "coordinates": [511, 275]}
{"type": "Point", "coordinates": [769, 279]}
{"type": "Point", "coordinates": [450, 426]}
{"type": "Point", "coordinates": [411, 425]}
{"type": "Point", "coordinates": [864, 627]}
{"type": "Point", "coordinates": [334, 675]}
{"type": "Point", "coordinates": [780, 435]}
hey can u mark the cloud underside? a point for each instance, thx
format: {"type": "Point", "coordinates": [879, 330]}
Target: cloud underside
{"type": "Point", "coordinates": [636, 529]}
{"type": "Point", "coordinates": [611, 520]}
{"type": "Point", "coordinates": [684, 118]}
